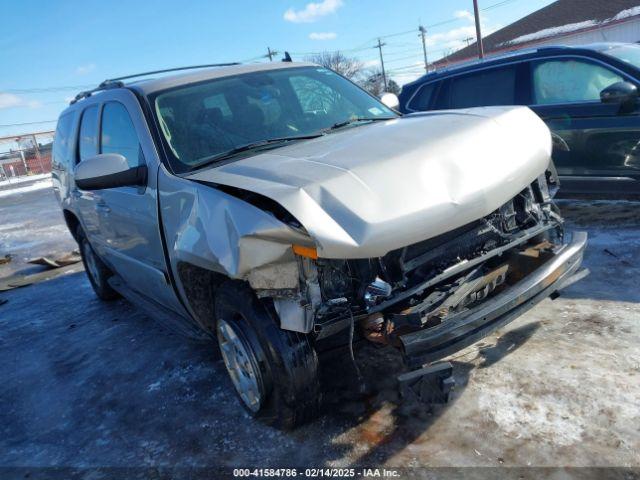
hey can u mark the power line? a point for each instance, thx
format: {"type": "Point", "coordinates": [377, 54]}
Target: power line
{"type": "Point", "coordinates": [499, 4]}
{"type": "Point", "coordinates": [45, 90]}
{"type": "Point", "coordinates": [27, 123]}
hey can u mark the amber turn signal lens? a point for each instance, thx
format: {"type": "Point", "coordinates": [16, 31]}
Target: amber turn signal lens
{"type": "Point", "coordinates": [309, 252]}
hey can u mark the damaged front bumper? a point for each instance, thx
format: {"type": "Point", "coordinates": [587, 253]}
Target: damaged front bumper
{"type": "Point", "coordinates": [467, 327]}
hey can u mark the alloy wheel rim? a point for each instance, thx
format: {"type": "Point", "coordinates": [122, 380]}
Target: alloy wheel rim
{"type": "Point", "coordinates": [92, 266]}
{"type": "Point", "coordinates": [237, 359]}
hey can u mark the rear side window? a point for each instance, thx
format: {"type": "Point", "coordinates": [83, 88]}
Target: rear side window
{"type": "Point", "coordinates": [422, 99]}
{"type": "Point", "coordinates": [88, 142]}
{"type": "Point", "coordinates": [570, 81]}
{"type": "Point", "coordinates": [62, 141]}
{"type": "Point", "coordinates": [487, 87]}
{"type": "Point", "coordinates": [119, 135]}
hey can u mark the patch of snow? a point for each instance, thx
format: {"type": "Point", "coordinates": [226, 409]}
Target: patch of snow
{"type": "Point", "coordinates": [526, 416]}
{"type": "Point", "coordinates": [629, 12]}
{"type": "Point", "coordinates": [29, 188]}
{"type": "Point", "coordinates": [552, 32]}
{"type": "Point", "coordinates": [571, 27]}
{"type": "Point", "coordinates": [24, 179]}
{"type": "Point", "coordinates": [11, 226]}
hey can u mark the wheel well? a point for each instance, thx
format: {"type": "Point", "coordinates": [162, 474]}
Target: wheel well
{"type": "Point", "coordinates": [199, 286]}
{"type": "Point", "coordinates": [72, 223]}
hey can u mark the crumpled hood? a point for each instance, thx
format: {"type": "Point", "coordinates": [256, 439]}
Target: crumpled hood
{"type": "Point", "coordinates": [364, 191]}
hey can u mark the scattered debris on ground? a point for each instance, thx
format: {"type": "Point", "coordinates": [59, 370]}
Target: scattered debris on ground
{"type": "Point", "coordinates": [18, 281]}
{"type": "Point", "coordinates": [68, 259]}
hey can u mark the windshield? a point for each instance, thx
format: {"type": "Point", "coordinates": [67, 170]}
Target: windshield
{"type": "Point", "coordinates": [627, 53]}
{"type": "Point", "coordinates": [203, 121]}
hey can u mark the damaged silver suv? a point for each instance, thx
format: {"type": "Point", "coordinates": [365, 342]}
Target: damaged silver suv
{"type": "Point", "coordinates": [281, 209]}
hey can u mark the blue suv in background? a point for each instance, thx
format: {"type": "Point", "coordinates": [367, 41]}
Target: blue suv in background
{"type": "Point", "coordinates": [587, 96]}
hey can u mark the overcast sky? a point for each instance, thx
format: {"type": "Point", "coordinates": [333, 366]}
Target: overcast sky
{"type": "Point", "coordinates": [51, 49]}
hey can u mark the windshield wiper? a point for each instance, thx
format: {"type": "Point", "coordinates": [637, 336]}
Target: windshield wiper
{"type": "Point", "coordinates": [337, 125]}
{"type": "Point", "coordinates": [252, 146]}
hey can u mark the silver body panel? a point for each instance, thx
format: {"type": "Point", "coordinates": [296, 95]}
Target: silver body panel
{"type": "Point", "coordinates": [365, 191]}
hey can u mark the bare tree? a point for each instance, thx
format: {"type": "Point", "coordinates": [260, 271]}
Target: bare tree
{"type": "Point", "coordinates": [350, 67]}
{"type": "Point", "coordinates": [374, 84]}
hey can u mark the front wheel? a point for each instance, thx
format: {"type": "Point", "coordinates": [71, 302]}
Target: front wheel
{"type": "Point", "coordinates": [274, 371]}
{"type": "Point", "coordinates": [97, 272]}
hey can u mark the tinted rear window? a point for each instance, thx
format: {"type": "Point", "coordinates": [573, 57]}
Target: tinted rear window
{"type": "Point", "coordinates": [484, 88]}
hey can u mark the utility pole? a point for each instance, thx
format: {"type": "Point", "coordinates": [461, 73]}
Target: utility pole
{"type": "Point", "coordinates": [478, 33]}
{"type": "Point", "coordinates": [270, 54]}
{"type": "Point", "coordinates": [384, 75]}
{"type": "Point", "coordinates": [423, 33]}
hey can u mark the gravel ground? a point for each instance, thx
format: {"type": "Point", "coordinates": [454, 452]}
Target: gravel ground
{"type": "Point", "coordinates": [92, 384]}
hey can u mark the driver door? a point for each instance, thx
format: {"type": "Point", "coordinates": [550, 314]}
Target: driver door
{"type": "Point", "coordinates": [602, 141]}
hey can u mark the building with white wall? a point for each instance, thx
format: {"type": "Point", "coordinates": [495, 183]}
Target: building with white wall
{"type": "Point", "coordinates": [565, 22]}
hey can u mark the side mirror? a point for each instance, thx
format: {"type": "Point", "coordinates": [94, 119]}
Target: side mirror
{"type": "Point", "coordinates": [622, 93]}
{"type": "Point", "coordinates": [108, 170]}
{"type": "Point", "coordinates": [390, 100]}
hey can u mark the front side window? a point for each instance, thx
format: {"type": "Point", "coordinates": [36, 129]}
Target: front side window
{"type": "Point", "coordinates": [119, 135]}
{"type": "Point", "coordinates": [205, 120]}
{"type": "Point", "coordinates": [570, 81]}
{"type": "Point", "coordinates": [88, 141]}
{"type": "Point", "coordinates": [496, 86]}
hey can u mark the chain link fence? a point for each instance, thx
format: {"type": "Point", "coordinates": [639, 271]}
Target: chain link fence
{"type": "Point", "coordinates": [25, 155]}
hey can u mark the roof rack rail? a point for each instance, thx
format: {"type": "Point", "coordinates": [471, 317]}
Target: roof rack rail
{"type": "Point", "coordinates": [176, 69]}
{"type": "Point", "coordinates": [117, 82]}
{"type": "Point", "coordinates": [103, 86]}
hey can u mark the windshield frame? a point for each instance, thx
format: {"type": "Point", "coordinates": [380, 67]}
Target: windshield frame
{"type": "Point", "coordinates": [181, 168]}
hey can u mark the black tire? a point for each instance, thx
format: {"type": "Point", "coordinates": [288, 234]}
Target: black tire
{"type": "Point", "coordinates": [98, 276]}
{"type": "Point", "coordinates": [285, 361]}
